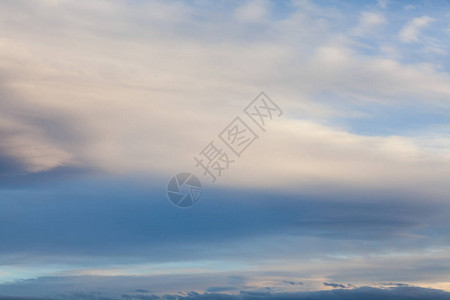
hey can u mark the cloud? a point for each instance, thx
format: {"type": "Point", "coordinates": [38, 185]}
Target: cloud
{"type": "Point", "coordinates": [369, 21]}
{"type": "Point", "coordinates": [142, 291]}
{"type": "Point", "coordinates": [411, 31]}
{"type": "Point", "coordinates": [383, 3]}
{"type": "Point", "coordinates": [253, 11]}
{"type": "Point", "coordinates": [335, 285]}
{"type": "Point", "coordinates": [215, 289]}
{"type": "Point", "coordinates": [293, 282]}
{"type": "Point", "coordinates": [113, 97]}
{"type": "Point", "coordinates": [28, 149]}
{"type": "Point", "coordinates": [117, 231]}
{"type": "Point", "coordinates": [362, 293]}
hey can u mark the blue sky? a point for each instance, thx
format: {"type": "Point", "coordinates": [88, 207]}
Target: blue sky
{"type": "Point", "coordinates": [345, 195]}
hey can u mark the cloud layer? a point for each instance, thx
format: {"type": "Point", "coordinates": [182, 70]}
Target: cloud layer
{"type": "Point", "coordinates": [109, 89]}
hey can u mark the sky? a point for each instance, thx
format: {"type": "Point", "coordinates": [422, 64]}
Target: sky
{"type": "Point", "coordinates": [344, 192]}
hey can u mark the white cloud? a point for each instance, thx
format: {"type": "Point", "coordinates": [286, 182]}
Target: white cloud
{"type": "Point", "coordinates": [144, 92]}
{"type": "Point", "coordinates": [369, 21]}
{"type": "Point", "coordinates": [411, 31]}
{"type": "Point", "coordinates": [253, 11]}
{"type": "Point", "coordinates": [30, 146]}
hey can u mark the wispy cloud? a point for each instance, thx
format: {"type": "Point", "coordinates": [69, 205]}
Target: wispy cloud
{"type": "Point", "coordinates": [369, 21]}
{"type": "Point", "coordinates": [411, 31]}
{"type": "Point", "coordinates": [113, 97]}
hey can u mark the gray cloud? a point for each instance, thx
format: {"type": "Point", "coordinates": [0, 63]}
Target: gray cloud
{"type": "Point", "coordinates": [293, 282]}
{"type": "Point", "coordinates": [150, 226]}
{"type": "Point", "coordinates": [215, 289]}
{"type": "Point", "coordinates": [335, 285]}
{"type": "Point", "coordinates": [362, 293]}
